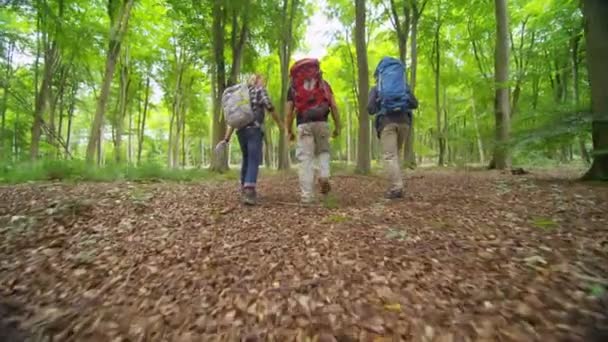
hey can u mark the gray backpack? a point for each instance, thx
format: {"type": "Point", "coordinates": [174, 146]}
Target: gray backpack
{"type": "Point", "coordinates": [237, 106]}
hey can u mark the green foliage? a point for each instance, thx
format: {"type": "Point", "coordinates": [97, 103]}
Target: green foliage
{"type": "Point", "coordinates": [78, 170]}
{"type": "Point", "coordinates": [170, 44]}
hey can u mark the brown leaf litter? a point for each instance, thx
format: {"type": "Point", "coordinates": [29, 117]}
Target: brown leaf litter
{"type": "Point", "coordinates": [466, 256]}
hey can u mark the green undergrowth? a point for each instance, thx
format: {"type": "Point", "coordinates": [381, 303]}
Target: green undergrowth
{"type": "Point", "coordinates": [76, 170]}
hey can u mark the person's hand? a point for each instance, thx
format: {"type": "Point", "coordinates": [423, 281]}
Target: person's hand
{"type": "Point", "coordinates": [221, 146]}
{"type": "Point", "coordinates": [336, 132]}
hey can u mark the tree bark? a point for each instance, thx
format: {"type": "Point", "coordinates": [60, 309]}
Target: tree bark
{"type": "Point", "coordinates": [596, 12]}
{"type": "Point", "coordinates": [409, 156]}
{"type": "Point", "coordinates": [125, 83]}
{"type": "Point", "coordinates": [501, 70]}
{"type": "Point", "coordinates": [363, 157]}
{"type": "Point", "coordinates": [117, 32]}
{"type": "Point", "coordinates": [477, 135]}
{"type": "Point", "coordinates": [218, 163]}
{"type": "Point", "coordinates": [285, 51]}
{"type": "Point", "coordinates": [6, 87]}
{"type": "Point", "coordinates": [238, 41]}
{"type": "Point", "coordinates": [402, 29]}
{"type": "Point", "coordinates": [436, 64]}
{"type": "Point", "coordinates": [71, 109]}
{"type": "Point", "coordinates": [142, 128]}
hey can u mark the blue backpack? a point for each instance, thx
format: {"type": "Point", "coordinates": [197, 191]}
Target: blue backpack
{"type": "Point", "coordinates": [393, 90]}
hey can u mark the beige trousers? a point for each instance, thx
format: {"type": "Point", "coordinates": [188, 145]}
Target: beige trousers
{"type": "Point", "coordinates": [392, 137]}
{"type": "Point", "coordinates": [313, 145]}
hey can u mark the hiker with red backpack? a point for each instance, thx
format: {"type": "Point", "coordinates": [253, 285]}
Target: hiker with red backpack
{"type": "Point", "coordinates": [244, 109]}
{"type": "Point", "coordinates": [392, 101]}
{"type": "Point", "coordinates": [310, 100]}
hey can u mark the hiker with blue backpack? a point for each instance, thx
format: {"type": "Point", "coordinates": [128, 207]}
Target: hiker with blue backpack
{"type": "Point", "coordinates": [392, 101]}
{"type": "Point", "coordinates": [244, 109]}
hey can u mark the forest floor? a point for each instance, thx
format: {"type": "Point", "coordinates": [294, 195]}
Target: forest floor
{"type": "Point", "coordinates": [466, 256]}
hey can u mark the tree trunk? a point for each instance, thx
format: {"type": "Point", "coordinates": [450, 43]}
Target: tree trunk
{"type": "Point", "coordinates": [117, 32]}
{"type": "Point", "coordinates": [267, 149]}
{"type": "Point", "coordinates": [125, 83]}
{"type": "Point", "coordinates": [285, 52]}
{"type": "Point", "coordinates": [501, 70]}
{"type": "Point", "coordinates": [363, 158]}
{"type": "Point", "coordinates": [59, 132]}
{"type": "Point", "coordinates": [596, 12]}
{"type": "Point", "coordinates": [42, 101]}
{"type": "Point", "coordinates": [409, 155]}
{"type": "Point", "coordinates": [218, 163]}
{"type": "Point", "coordinates": [71, 109]}
{"type": "Point", "coordinates": [402, 29]}
{"type": "Point", "coordinates": [575, 92]}
{"type": "Point", "coordinates": [477, 135]}
{"type": "Point", "coordinates": [436, 64]}
{"type": "Point", "coordinates": [142, 128]}
{"type": "Point", "coordinates": [9, 63]}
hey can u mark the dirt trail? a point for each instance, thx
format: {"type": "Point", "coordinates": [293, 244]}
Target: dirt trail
{"type": "Point", "coordinates": [467, 256]}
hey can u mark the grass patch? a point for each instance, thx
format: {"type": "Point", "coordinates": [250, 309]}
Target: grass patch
{"type": "Point", "coordinates": [337, 218]}
{"type": "Point", "coordinates": [544, 223]}
{"type": "Point", "coordinates": [395, 234]}
{"type": "Point", "coordinates": [330, 202]}
{"type": "Point", "coordinates": [78, 170]}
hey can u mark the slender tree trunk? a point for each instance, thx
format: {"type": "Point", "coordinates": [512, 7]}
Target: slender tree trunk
{"type": "Point", "coordinates": [267, 149]}
{"type": "Point", "coordinates": [125, 83]}
{"type": "Point", "coordinates": [59, 132]}
{"type": "Point", "coordinates": [575, 92]}
{"type": "Point", "coordinates": [117, 32]}
{"type": "Point", "coordinates": [437, 70]}
{"type": "Point", "coordinates": [285, 50]}
{"type": "Point", "coordinates": [43, 100]}
{"type": "Point", "coordinates": [477, 135]}
{"type": "Point", "coordinates": [409, 156]}
{"type": "Point", "coordinates": [71, 109]}
{"type": "Point", "coordinates": [142, 128]}
{"type": "Point", "coordinates": [596, 12]}
{"type": "Point", "coordinates": [218, 163]}
{"type": "Point", "coordinates": [349, 146]}
{"type": "Point", "coordinates": [6, 89]}
{"type": "Point", "coordinates": [363, 158]}
{"type": "Point", "coordinates": [502, 110]}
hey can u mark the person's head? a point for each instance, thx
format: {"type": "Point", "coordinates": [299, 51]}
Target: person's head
{"type": "Point", "coordinates": [256, 80]}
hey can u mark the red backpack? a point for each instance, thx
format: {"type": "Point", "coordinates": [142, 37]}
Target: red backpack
{"type": "Point", "coordinates": [310, 92]}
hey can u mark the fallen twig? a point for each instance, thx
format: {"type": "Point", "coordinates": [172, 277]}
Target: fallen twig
{"type": "Point", "coordinates": [228, 210]}
{"type": "Point", "coordinates": [592, 279]}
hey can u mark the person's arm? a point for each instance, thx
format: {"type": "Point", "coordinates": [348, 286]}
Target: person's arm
{"type": "Point", "coordinates": [413, 101]}
{"type": "Point", "coordinates": [275, 117]}
{"type": "Point", "coordinates": [372, 105]}
{"type": "Point", "coordinates": [228, 134]}
{"type": "Point", "coordinates": [290, 115]}
{"type": "Point", "coordinates": [335, 116]}
{"type": "Point", "coordinates": [270, 108]}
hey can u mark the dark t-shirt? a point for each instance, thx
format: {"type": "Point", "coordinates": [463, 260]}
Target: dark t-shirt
{"type": "Point", "coordinates": [299, 118]}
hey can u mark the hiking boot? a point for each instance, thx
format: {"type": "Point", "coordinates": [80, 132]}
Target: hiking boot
{"type": "Point", "coordinates": [325, 186]}
{"type": "Point", "coordinates": [249, 196]}
{"type": "Point", "coordinates": [307, 200]}
{"type": "Point", "coordinates": [393, 194]}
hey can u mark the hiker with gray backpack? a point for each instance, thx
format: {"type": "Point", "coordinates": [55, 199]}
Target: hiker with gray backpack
{"type": "Point", "coordinates": [244, 110]}
{"type": "Point", "coordinates": [392, 101]}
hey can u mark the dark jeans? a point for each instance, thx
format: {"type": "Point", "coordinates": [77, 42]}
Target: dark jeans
{"type": "Point", "coordinates": [250, 140]}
